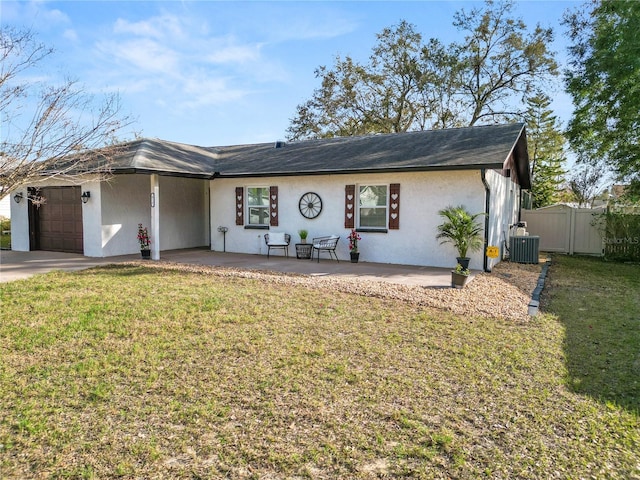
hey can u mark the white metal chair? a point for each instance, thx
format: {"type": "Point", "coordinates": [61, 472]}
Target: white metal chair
{"type": "Point", "coordinates": [277, 240]}
{"type": "Point", "coordinates": [325, 244]}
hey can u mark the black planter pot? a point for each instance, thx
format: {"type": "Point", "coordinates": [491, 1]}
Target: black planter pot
{"type": "Point", "coordinates": [355, 256]}
{"type": "Point", "coordinates": [464, 261]}
{"type": "Point", "coordinates": [146, 254]}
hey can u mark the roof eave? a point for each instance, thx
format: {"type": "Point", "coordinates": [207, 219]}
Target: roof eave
{"type": "Point", "coordinates": [360, 171]}
{"type": "Point", "coordinates": [163, 173]}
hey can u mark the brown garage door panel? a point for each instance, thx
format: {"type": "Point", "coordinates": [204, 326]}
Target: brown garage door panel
{"type": "Point", "coordinates": [60, 220]}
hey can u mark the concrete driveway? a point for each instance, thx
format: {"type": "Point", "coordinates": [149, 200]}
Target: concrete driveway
{"type": "Point", "coordinates": [19, 265]}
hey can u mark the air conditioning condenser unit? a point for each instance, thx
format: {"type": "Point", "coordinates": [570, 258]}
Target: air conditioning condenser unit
{"type": "Point", "coordinates": [524, 249]}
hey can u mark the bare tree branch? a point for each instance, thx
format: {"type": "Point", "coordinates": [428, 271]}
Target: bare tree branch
{"type": "Point", "coordinates": [50, 130]}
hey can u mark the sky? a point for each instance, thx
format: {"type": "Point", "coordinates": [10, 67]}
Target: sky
{"type": "Point", "coordinates": [215, 73]}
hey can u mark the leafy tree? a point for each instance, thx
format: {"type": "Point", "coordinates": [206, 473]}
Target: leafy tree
{"type": "Point", "coordinates": [354, 99]}
{"type": "Point", "coordinates": [500, 63]}
{"type": "Point", "coordinates": [604, 82]}
{"type": "Point", "coordinates": [442, 105]}
{"type": "Point", "coordinates": [410, 85]}
{"type": "Point", "coordinates": [48, 130]}
{"type": "Point", "coordinates": [546, 152]}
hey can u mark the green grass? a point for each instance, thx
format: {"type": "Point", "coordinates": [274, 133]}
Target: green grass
{"type": "Point", "coordinates": [5, 242]}
{"type": "Point", "coordinates": [134, 372]}
{"type": "Point", "coordinates": [598, 303]}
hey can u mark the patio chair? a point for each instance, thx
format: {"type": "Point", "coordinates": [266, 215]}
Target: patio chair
{"type": "Point", "coordinates": [277, 240]}
{"type": "Point", "coordinates": [325, 244]}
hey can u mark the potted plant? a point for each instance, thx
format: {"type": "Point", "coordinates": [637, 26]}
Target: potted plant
{"type": "Point", "coordinates": [353, 246]}
{"type": "Point", "coordinates": [459, 276]}
{"type": "Point", "coordinates": [303, 235]}
{"type": "Point", "coordinates": [462, 230]}
{"type": "Point", "coordinates": [144, 241]}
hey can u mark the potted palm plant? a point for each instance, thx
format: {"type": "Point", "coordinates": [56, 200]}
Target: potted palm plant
{"type": "Point", "coordinates": [303, 235]}
{"type": "Point", "coordinates": [462, 230]}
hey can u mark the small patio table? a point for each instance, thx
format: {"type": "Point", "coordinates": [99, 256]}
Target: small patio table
{"type": "Point", "coordinates": [303, 250]}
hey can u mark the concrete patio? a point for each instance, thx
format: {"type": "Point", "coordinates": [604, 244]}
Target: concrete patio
{"type": "Point", "coordinates": [18, 265]}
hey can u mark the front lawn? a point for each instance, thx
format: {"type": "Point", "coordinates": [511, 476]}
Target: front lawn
{"type": "Point", "coordinates": [137, 372]}
{"type": "Point", "coordinates": [598, 304]}
{"type": "Point", "coordinates": [5, 241]}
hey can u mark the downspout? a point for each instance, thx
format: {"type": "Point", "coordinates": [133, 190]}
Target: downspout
{"type": "Point", "coordinates": [487, 203]}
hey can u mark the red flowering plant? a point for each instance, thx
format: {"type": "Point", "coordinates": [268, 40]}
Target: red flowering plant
{"type": "Point", "coordinates": [353, 241]}
{"type": "Point", "coordinates": [143, 238]}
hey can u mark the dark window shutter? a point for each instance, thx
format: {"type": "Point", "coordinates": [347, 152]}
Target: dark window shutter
{"type": "Point", "coordinates": [239, 206]}
{"type": "Point", "coordinates": [273, 206]}
{"type": "Point", "coordinates": [394, 206]}
{"type": "Point", "coordinates": [349, 206]}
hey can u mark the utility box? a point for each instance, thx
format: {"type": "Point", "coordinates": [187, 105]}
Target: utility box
{"type": "Point", "coordinates": [524, 249]}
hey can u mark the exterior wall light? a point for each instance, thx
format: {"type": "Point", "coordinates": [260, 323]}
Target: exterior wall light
{"type": "Point", "coordinates": [85, 196]}
{"type": "Point", "coordinates": [18, 197]}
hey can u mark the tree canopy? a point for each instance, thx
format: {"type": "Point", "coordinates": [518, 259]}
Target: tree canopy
{"type": "Point", "coordinates": [604, 81]}
{"type": "Point", "coordinates": [408, 84]}
{"type": "Point", "coordinates": [48, 129]}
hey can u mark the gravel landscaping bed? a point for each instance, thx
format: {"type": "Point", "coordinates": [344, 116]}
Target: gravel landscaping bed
{"type": "Point", "coordinates": [503, 293]}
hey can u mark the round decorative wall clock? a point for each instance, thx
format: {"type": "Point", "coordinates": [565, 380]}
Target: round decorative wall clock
{"type": "Point", "coordinates": [310, 205]}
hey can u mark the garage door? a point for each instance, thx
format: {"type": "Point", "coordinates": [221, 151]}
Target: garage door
{"type": "Point", "coordinates": [59, 220]}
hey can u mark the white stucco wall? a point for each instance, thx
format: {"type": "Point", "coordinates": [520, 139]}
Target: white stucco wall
{"type": "Point", "coordinates": [504, 208]}
{"type": "Point", "coordinates": [19, 222]}
{"type": "Point", "coordinates": [126, 202]}
{"type": "Point", "coordinates": [90, 214]}
{"type": "Point", "coordinates": [184, 213]}
{"type": "Point", "coordinates": [91, 219]}
{"type": "Point", "coordinates": [5, 206]}
{"type": "Point", "coordinates": [111, 216]}
{"type": "Point", "coordinates": [422, 194]}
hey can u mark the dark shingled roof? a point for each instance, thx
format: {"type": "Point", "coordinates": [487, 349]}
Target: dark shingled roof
{"type": "Point", "coordinates": [163, 157]}
{"type": "Point", "coordinates": [469, 148]}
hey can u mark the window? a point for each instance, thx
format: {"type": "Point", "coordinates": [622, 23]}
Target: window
{"type": "Point", "coordinates": [372, 206]}
{"type": "Point", "coordinates": [258, 205]}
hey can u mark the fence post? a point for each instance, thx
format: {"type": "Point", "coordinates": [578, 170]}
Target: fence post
{"type": "Point", "coordinates": [572, 230]}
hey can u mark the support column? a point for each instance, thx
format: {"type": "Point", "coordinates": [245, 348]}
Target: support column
{"type": "Point", "coordinates": [155, 217]}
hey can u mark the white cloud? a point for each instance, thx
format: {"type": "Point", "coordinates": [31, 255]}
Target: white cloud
{"type": "Point", "coordinates": [182, 66]}
{"type": "Point", "coordinates": [34, 14]}
{"type": "Point", "coordinates": [186, 63]}
{"type": "Point", "coordinates": [210, 91]}
{"type": "Point", "coordinates": [304, 28]}
{"type": "Point", "coordinates": [165, 26]}
{"type": "Point", "coordinates": [55, 16]}
{"type": "Point", "coordinates": [145, 55]}
{"type": "Point", "coordinates": [70, 34]}
{"type": "Point", "coordinates": [233, 54]}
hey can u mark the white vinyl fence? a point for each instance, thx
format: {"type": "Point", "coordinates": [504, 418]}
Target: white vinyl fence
{"type": "Point", "coordinates": [565, 229]}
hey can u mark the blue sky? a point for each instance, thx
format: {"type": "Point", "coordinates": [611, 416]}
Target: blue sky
{"type": "Point", "coordinates": [223, 73]}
